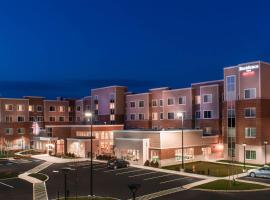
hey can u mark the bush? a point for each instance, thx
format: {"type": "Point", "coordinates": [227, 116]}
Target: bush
{"type": "Point", "coordinates": [154, 164]}
{"type": "Point", "coordinates": [104, 157]}
{"type": "Point", "coordinates": [147, 163]}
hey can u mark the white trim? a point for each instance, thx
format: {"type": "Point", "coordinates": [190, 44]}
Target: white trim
{"type": "Point", "coordinates": [211, 114]}
{"type": "Point", "coordinates": [82, 126]}
{"type": "Point", "coordinates": [138, 94]}
{"type": "Point", "coordinates": [115, 86]}
{"type": "Point", "coordinates": [206, 94]}
{"type": "Point", "coordinates": [204, 82]}
{"type": "Point", "coordinates": [245, 89]}
{"type": "Point", "coordinates": [161, 88]}
{"type": "Point", "coordinates": [179, 89]}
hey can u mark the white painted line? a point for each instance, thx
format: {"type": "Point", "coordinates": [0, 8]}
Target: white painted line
{"type": "Point", "coordinates": [137, 170]}
{"type": "Point", "coordinates": [6, 185]}
{"type": "Point", "coordinates": [143, 174]}
{"type": "Point", "coordinates": [158, 177]}
{"type": "Point", "coordinates": [173, 180]}
{"type": "Point", "coordinates": [114, 170]}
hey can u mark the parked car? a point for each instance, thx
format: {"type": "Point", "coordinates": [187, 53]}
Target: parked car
{"type": "Point", "coordinates": [117, 163]}
{"type": "Point", "coordinates": [261, 172]}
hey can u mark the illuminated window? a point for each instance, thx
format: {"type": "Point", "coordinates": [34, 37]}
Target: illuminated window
{"type": "Point", "coordinates": [170, 101]}
{"type": "Point", "coordinates": [197, 99]}
{"type": "Point", "coordinates": [61, 108]}
{"type": "Point", "coordinates": [250, 93]}
{"type": "Point", "coordinates": [250, 132]}
{"type": "Point", "coordinates": [154, 116]}
{"type": "Point", "coordinates": [8, 107]}
{"type": "Point", "coordinates": [20, 107]}
{"type": "Point", "coordinates": [231, 87]}
{"type": "Point", "coordinates": [112, 117]}
{"type": "Point", "coordinates": [30, 108]}
{"type": "Point", "coordinates": [112, 105]}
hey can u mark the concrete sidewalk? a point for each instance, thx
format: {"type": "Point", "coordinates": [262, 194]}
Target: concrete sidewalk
{"type": "Point", "coordinates": [53, 159]}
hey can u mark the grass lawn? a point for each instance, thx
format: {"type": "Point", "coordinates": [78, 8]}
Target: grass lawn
{"type": "Point", "coordinates": [88, 198]}
{"type": "Point", "coordinates": [38, 176]}
{"type": "Point", "coordinates": [241, 163]}
{"type": "Point", "coordinates": [208, 168]}
{"type": "Point", "coordinates": [229, 185]}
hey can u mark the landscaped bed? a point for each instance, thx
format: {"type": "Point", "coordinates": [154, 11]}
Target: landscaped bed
{"type": "Point", "coordinates": [39, 176]}
{"type": "Point", "coordinates": [230, 185]}
{"type": "Point", "coordinates": [208, 168]}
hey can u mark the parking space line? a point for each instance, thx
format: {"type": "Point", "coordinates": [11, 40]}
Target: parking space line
{"type": "Point", "coordinates": [173, 180]}
{"type": "Point", "coordinates": [113, 170]}
{"type": "Point", "coordinates": [137, 170]}
{"type": "Point", "coordinates": [146, 179]}
{"type": "Point", "coordinates": [6, 185]}
{"type": "Point", "coordinates": [143, 174]}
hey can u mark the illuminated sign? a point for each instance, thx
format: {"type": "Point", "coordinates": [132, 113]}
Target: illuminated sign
{"type": "Point", "coordinates": [248, 68]}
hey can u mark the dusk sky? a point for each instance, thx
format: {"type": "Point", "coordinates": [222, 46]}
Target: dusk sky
{"type": "Point", "coordinates": [65, 48]}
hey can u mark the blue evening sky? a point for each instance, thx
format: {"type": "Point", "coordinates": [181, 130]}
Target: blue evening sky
{"type": "Point", "coordinates": [65, 48]}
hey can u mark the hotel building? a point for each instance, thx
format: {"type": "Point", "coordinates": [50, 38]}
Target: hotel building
{"type": "Point", "coordinates": [234, 112]}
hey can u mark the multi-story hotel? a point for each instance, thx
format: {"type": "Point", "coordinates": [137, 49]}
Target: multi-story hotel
{"type": "Point", "coordinates": [234, 112]}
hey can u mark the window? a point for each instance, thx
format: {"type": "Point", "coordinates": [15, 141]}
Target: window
{"type": "Point", "coordinates": [8, 118]}
{"type": "Point", "coordinates": [52, 119]}
{"type": "Point", "coordinates": [197, 99]}
{"type": "Point", "coordinates": [78, 119]}
{"type": "Point", "coordinates": [31, 118]}
{"type": "Point", "coordinates": [207, 114]}
{"type": "Point", "coordinates": [78, 108]}
{"type": "Point", "coordinates": [112, 117]}
{"type": "Point", "coordinates": [30, 108]}
{"type": "Point", "coordinates": [250, 132]}
{"type": "Point", "coordinates": [141, 104]}
{"type": "Point", "coordinates": [132, 117]}
{"type": "Point", "coordinates": [161, 102]}
{"type": "Point", "coordinates": [20, 107]}
{"type": "Point", "coordinates": [207, 98]}
{"type": "Point", "coordinates": [141, 116]}
{"type": "Point", "coordinates": [250, 93]}
{"type": "Point", "coordinates": [197, 114]}
{"type": "Point", "coordinates": [39, 108]}
{"type": "Point", "coordinates": [161, 115]}
{"type": "Point", "coordinates": [21, 130]}
{"type": "Point", "coordinates": [70, 119]}
{"type": "Point", "coordinates": [61, 108]}
{"type": "Point", "coordinates": [170, 101]}
{"type": "Point", "coordinates": [170, 115]}
{"type": "Point", "coordinates": [52, 109]}
{"type": "Point", "coordinates": [112, 106]}
{"type": "Point", "coordinates": [9, 131]}
{"type": "Point", "coordinates": [61, 119]}
{"type": "Point", "coordinates": [154, 103]}
{"type": "Point", "coordinates": [40, 118]}
{"type": "Point", "coordinates": [132, 104]}
{"type": "Point", "coordinates": [182, 100]}
{"type": "Point", "coordinates": [8, 107]}
{"type": "Point", "coordinates": [21, 119]}
{"type": "Point", "coordinates": [250, 155]}
{"type": "Point", "coordinates": [208, 130]}
{"type": "Point", "coordinates": [230, 87]}
{"type": "Point", "coordinates": [154, 116]}
{"type": "Point", "coordinates": [250, 112]}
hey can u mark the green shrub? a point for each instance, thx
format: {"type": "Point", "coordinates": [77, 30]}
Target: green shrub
{"type": "Point", "coordinates": [147, 163]}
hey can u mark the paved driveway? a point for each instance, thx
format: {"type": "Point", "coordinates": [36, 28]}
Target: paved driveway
{"type": "Point", "coordinates": [113, 183]}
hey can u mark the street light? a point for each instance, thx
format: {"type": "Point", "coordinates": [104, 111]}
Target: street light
{"type": "Point", "coordinates": [244, 145]}
{"type": "Point", "coordinates": [265, 143]}
{"type": "Point", "coordinates": [181, 115]}
{"type": "Point", "coordinates": [65, 171]}
{"type": "Point", "coordinates": [134, 188]}
{"type": "Point", "coordinates": [89, 117]}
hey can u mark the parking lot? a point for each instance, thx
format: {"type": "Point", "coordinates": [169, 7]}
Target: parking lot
{"type": "Point", "coordinates": [110, 182]}
{"type": "Point", "coordinates": [260, 180]}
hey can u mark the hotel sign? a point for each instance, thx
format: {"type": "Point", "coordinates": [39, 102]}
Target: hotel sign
{"type": "Point", "coordinates": [248, 68]}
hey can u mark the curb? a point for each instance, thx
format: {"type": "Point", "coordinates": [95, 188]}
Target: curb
{"type": "Point", "coordinates": [231, 191]}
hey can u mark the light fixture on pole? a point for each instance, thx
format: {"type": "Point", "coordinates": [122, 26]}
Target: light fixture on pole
{"type": "Point", "coordinates": [89, 117]}
{"type": "Point", "coordinates": [180, 115]}
{"type": "Point", "coordinates": [244, 146]}
{"type": "Point", "coordinates": [265, 143]}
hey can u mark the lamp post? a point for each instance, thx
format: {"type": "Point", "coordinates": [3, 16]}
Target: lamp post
{"type": "Point", "coordinates": [65, 171]}
{"type": "Point", "coordinates": [181, 115]}
{"type": "Point", "coordinates": [89, 117]}
{"type": "Point", "coordinates": [265, 143]}
{"type": "Point", "coordinates": [244, 146]}
{"type": "Point", "coordinates": [134, 188]}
